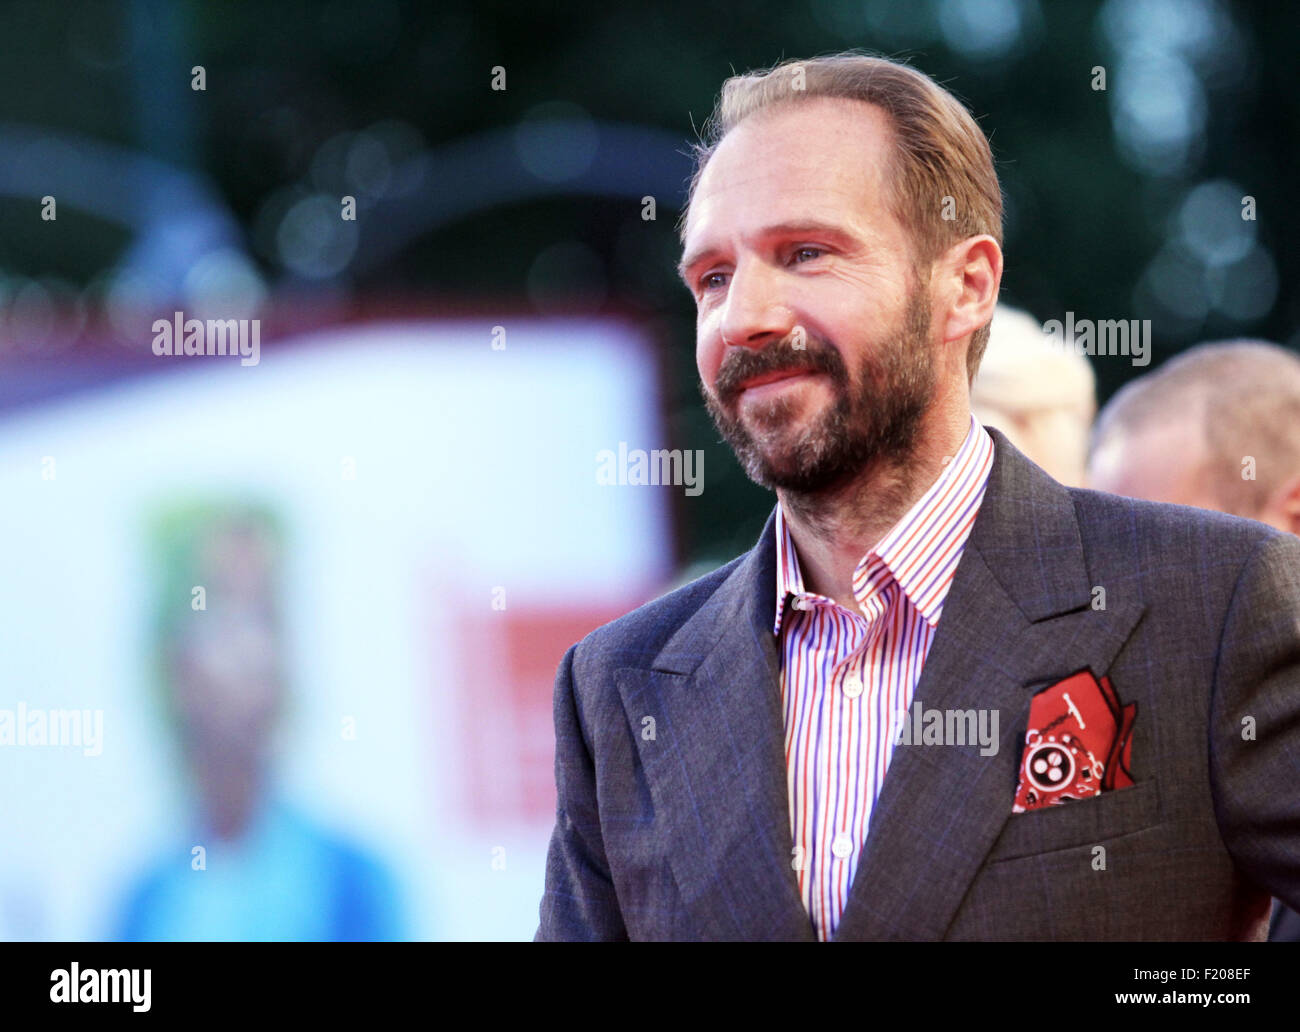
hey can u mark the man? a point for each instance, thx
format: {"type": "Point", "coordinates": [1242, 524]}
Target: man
{"type": "Point", "coordinates": [1217, 427]}
{"type": "Point", "coordinates": [740, 760]}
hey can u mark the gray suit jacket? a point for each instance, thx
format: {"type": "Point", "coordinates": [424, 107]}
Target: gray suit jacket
{"type": "Point", "coordinates": [673, 818]}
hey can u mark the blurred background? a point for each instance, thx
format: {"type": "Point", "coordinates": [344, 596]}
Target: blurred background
{"type": "Point", "coordinates": [280, 627]}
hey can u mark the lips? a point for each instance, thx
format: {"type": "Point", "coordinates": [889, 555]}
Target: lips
{"type": "Point", "coordinates": [772, 377]}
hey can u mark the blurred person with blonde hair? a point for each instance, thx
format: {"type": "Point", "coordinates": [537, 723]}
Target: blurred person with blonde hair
{"type": "Point", "coordinates": [1042, 397]}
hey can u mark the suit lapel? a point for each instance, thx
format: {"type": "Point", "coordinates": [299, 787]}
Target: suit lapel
{"type": "Point", "coordinates": [1018, 617]}
{"type": "Point", "coordinates": [716, 763]}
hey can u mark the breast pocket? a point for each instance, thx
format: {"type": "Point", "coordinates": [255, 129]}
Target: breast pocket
{"type": "Point", "coordinates": [1109, 815]}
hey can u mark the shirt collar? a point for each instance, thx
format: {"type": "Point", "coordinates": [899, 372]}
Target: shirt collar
{"type": "Point", "coordinates": [922, 549]}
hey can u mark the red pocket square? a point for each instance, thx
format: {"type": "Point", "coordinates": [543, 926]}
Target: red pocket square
{"type": "Point", "coordinates": [1079, 742]}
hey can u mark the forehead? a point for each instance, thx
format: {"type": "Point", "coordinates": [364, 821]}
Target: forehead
{"type": "Point", "coordinates": [819, 159]}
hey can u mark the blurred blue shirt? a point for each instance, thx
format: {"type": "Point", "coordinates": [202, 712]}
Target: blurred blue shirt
{"type": "Point", "coordinates": [286, 879]}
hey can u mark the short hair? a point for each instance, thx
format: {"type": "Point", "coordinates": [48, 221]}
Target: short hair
{"type": "Point", "coordinates": [941, 152]}
{"type": "Point", "coordinates": [1245, 396]}
{"type": "Point", "coordinates": [1047, 390]}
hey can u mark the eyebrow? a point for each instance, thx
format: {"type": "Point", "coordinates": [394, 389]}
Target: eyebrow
{"type": "Point", "coordinates": [800, 227]}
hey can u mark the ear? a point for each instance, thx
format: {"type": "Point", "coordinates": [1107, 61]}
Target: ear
{"type": "Point", "coordinates": [1283, 509]}
{"type": "Point", "coordinates": [969, 275]}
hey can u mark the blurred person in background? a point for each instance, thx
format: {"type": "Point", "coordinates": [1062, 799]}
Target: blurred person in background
{"type": "Point", "coordinates": [254, 867]}
{"type": "Point", "coordinates": [1042, 397]}
{"type": "Point", "coordinates": [1216, 427]}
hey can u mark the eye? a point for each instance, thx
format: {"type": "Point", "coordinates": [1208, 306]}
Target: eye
{"type": "Point", "coordinates": [707, 281]}
{"type": "Point", "coordinates": [816, 252]}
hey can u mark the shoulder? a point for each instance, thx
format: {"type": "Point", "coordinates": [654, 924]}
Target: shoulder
{"type": "Point", "coordinates": [1196, 563]}
{"type": "Point", "coordinates": [638, 636]}
{"type": "Point", "coordinates": [1136, 529]}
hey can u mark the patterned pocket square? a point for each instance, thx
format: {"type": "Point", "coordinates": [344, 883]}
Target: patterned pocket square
{"type": "Point", "coordinates": [1078, 743]}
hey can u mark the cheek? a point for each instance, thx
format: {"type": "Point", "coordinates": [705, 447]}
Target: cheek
{"type": "Point", "coordinates": [708, 357]}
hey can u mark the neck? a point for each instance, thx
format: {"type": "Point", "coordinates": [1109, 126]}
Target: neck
{"type": "Point", "coordinates": [833, 529]}
{"type": "Point", "coordinates": [229, 793]}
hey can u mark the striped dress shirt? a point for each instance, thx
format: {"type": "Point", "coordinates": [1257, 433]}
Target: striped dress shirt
{"type": "Point", "coordinates": [847, 677]}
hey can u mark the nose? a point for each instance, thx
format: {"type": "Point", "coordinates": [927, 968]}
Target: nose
{"type": "Point", "coordinates": [753, 314]}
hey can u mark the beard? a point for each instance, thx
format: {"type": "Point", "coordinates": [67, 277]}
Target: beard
{"type": "Point", "coordinates": [875, 417]}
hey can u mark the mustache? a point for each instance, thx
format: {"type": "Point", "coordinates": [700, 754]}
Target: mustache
{"type": "Point", "coordinates": [816, 356]}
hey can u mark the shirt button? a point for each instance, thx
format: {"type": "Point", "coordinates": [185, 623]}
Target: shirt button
{"type": "Point", "coordinates": [843, 845]}
{"type": "Point", "coordinates": [852, 684]}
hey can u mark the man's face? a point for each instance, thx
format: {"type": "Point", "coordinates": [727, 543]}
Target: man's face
{"type": "Point", "coordinates": [789, 241]}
